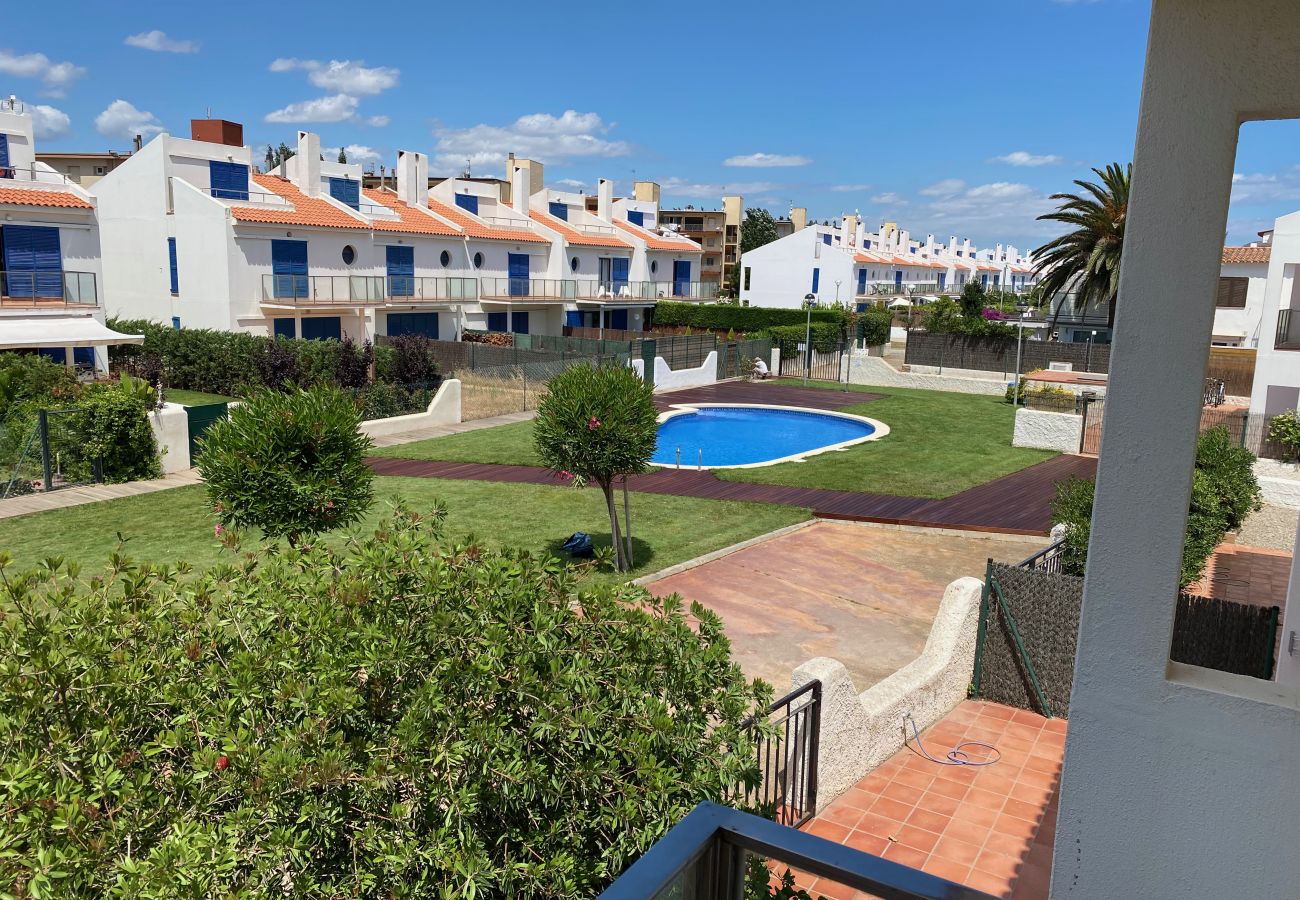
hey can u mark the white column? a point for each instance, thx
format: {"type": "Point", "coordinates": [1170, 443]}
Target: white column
{"type": "Point", "coordinates": [1288, 663]}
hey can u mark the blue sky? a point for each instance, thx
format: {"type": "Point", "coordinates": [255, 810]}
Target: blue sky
{"type": "Point", "coordinates": [950, 117]}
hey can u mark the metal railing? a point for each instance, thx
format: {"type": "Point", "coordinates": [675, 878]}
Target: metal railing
{"type": "Point", "coordinates": [34, 174]}
{"type": "Point", "coordinates": [266, 198]}
{"type": "Point", "coordinates": [55, 287]}
{"type": "Point", "coordinates": [313, 290]}
{"type": "Point", "coordinates": [1046, 560]}
{"type": "Point", "coordinates": [712, 853]}
{"type": "Point", "coordinates": [532, 288]}
{"type": "Point", "coordinates": [787, 760]}
{"type": "Point", "coordinates": [507, 222]}
{"type": "Point", "coordinates": [596, 229]}
{"type": "Point", "coordinates": [1288, 331]}
{"type": "Point", "coordinates": [673, 290]}
{"type": "Point", "coordinates": [428, 288]}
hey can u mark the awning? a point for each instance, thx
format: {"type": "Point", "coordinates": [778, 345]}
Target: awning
{"type": "Point", "coordinates": [900, 303]}
{"type": "Point", "coordinates": [55, 331]}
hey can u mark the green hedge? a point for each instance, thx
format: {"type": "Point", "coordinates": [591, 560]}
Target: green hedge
{"type": "Point", "coordinates": [741, 318]}
{"type": "Point", "coordinates": [825, 336]}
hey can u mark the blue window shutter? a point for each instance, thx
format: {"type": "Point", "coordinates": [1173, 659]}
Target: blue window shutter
{"type": "Point", "coordinates": [519, 322]}
{"type": "Point", "coordinates": [319, 328]}
{"type": "Point", "coordinates": [618, 320]}
{"type": "Point", "coordinates": [4, 156]}
{"type": "Point", "coordinates": [83, 356]}
{"type": "Point", "coordinates": [171, 260]}
{"type": "Point", "coordinates": [817, 277]}
{"type": "Point", "coordinates": [413, 323]}
{"type": "Point", "coordinates": [401, 271]}
{"type": "Point", "coordinates": [468, 202]}
{"type": "Point", "coordinates": [826, 238]}
{"type": "Point", "coordinates": [176, 323]}
{"type": "Point", "coordinates": [618, 271]}
{"type": "Point", "coordinates": [346, 191]}
{"type": "Point", "coordinates": [229, 180]}
{"type": "Point", "coordinates": [33, 262]}
{"type": "Point", "coordinates": [862, 281]}
{"type": "Point", "coordinates": [560, 210]}
{"type": "Point", "coordinates": [283, 328]}
{"type": "Point", "coordinates": [573, 318]}
{"type": "Point", "coordinates": [636, 217]}
{"type": "Point", "coordinates": [496, 321]}
{"type": "Point", "coordinates": [289, 266]}
{"type": "Point", "coordinates": [681, 277]}
{"type": "Point", "coordinates": [517, 270]}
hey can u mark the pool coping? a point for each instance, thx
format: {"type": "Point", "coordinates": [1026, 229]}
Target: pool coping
{"type": "Point", "coordinates": [678, 409]}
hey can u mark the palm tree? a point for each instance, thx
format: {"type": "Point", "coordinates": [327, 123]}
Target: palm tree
{"type": "Point", "coordinates": [1085, 261]}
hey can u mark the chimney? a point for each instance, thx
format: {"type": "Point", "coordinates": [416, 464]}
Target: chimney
{"type": "Point", "coordinates": [646, 192]}
{"type": "Point", "coordinates": [519, 190]}
{"type": "Point", "coordinates": [799, 216]}
{"type": "Point", "coordinates": [413, 178]}
{"type": "Point", "coordinates": [217, 131]}
{"type": "Point", "coordinates": [307, 163]}
{"type": "Point", "coordinates": [604, 199]}
{"type": "Point", "coordinates": [849, 232]}
{"type": "Point", "coordinates": [138, 143]}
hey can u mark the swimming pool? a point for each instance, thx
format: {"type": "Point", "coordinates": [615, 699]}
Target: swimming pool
{"type": "Point", "coordinates": [732, 435]}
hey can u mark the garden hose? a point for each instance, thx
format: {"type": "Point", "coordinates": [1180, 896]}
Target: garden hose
{"type": "Point", "coordinates": [956, 756]}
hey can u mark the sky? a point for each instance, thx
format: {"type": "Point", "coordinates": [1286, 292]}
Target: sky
{"type": "Point", "coordinates": [951, 118]}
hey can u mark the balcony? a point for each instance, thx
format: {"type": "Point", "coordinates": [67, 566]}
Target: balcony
{"type": "Point", "coordinates": [708, 855]}
{"type": "Point", "coordinates": [35, 175]}
{"type": "Point", "coordinates": [305, 291]}
{"type": "Point", "coordinates": [1288, 331]}
{"type": "Point", "coordinates": [508, 223]}
{"type": "Point", "coordinates": [51, 289]}
{"type": "Point", "coordinates": [536, 288]}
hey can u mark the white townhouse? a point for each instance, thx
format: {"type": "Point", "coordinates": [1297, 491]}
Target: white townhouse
{"type": "Point", "coordinates": [194, 236]}
{"type": "Point", "coordinates": [845, 263]}
{"type": "Point", "coordinates": [1277, 359]}
{"type": "Point", "coordinates": [51, 281]}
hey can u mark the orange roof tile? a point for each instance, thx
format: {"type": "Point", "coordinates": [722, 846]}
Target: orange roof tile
{"type": "Point", "coordinates": [1247, 254]}
{"type": "Point", "coordinates": [659, 242]}
{"type": "Point", "coordinates": [574, 236]}
{"type": "Point", "coordinates": [306, 210]}
{"type": "Point", "coordinates": [28, 197]}
{"type": "Point", "coordinates": [413, 221]}
{"type": "Point", "coordinates": [475, 228]}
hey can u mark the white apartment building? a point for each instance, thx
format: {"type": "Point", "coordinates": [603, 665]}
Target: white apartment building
{"type": "Point", "coordinates": [50, 275]}
{"type": "Point", "coordinates": [847, 264]}
{"type": "Point", "coordinates": [1277, 360]}
{"type": "Point", "coordinates": [193, 235]}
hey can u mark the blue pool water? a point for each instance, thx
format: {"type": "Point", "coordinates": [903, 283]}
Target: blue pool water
{"type": "Point", "coordinates": [737, 436]}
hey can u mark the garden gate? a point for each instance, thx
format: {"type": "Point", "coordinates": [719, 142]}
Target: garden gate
{"type": "Point", "coordinates": [201, 418]}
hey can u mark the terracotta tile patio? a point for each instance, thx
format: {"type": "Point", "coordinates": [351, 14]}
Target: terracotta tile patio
{"type": "Point", "coordinates": [990, 827]}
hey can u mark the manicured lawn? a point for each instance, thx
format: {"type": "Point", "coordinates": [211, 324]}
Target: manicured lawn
{"type": "Point", "coordinates": [193, 398]}
{"type": "Point", "coordinates": [940, 444]}
{"type": "Point", "coordinates": [175, 525]}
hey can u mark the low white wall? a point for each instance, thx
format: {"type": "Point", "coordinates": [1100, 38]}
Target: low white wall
{"type": "Point", "coordinates": [1280, 482]}
{"type": "Point", "coordinates": [861, 731]}
{"type": "Point", "coordinates": [1044, 430]}
{"type": "Point", "coordinates": [444, 409]}
{"type": "Point", "coordinates": [667, 379]}
{"type": "Point", "coordinates": [171, 429]}
{"type": "Point", "coordinates": [864, 369]}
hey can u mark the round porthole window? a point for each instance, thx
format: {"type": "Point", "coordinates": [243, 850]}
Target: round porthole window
{"type": "Point", "coordinates": [478, 260]}
{"type": "Point", "coordinates": [349, 255]}
{"type": "Point", "coordinates": [654, 266]}
{"type": "Point", "coordinates": [445, 259]}
{"type": "Point", "coordinates": [573, 264]}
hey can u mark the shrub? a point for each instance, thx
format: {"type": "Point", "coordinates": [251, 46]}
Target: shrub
{"type": "Point", "coordinates": [1284, 429]}
{"type": "Point", "coordinates": [402, 716]}
{"type": "Point", "coordinates": [381, 400]}
{"type": "Point", "coordinates": [597, 424]}
{"type": "Point", "coordinates": [110, 424]}
{"type": "Point", "coordinates": [972, 299]}
{"type": "Point", "coordinates": [1072, 507]}
{"type": "Point", "coordinates": [412, 361]}
{"type": "Point", "coordinates": [825, 336]}
{"type": "Point", "coordinates": [290, 464]}
{"type": "Point", "coordinates": [1231, 472]}
{"type": "Point", "coordinates": [352, 365]}
{"type": "Point", "coordinates": [30, 376]}
{"type": "Point", "coordinates": [277, 368]}
{"type": "Point", "coordinates": [749, 319]}
{"type": "Point", "coordinates": [874, 325]}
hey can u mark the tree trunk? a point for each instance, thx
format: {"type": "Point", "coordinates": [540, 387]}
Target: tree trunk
{"type": "Point", "coordinates": [627, 523]}
{"type": "Point", "coordinates": [620, 561]}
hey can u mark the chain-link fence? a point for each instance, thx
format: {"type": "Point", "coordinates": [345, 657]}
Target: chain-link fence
{"type": "Point", "coordinates": [498, 390]}
{"type": "Point", "coordinates": [45, 450]}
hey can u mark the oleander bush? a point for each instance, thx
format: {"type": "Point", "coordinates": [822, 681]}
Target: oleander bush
{"type": "Point", "coordinates": [1284, 429]}
{"type": "Point", "coordinates": [400, 715]}
{"type": "Point", "coordinates": [873, 326]}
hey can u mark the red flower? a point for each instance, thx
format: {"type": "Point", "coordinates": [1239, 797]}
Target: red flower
{"type": "Point", "coordinates": [593, 423]}
{"type": "Point", "coordinates": [223, 762]}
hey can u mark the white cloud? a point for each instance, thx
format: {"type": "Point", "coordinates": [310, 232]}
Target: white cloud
{"type": "Point", "coordinates": [1024, 158]}
{"type": "Point", "coordinates": [49, 123]}
{"type": "Point", "coordinates": [765, 161]}
{"type": "Point", "coordinates": [679, 187]}
{"type": "Point", "coordinates": [55, 76]}
{"type": "Point", "coordinates": [890, 198]}
{"type": "Point", "coordinates": [334, 108]}
{"type": "Point", "coordinates": [122, 120]}
{"type": "Point", "coordinates": [159, 42]}
{"type": "Point", "coordinates": [1266, 187]}
{"type": "Point", "coordinates": [573, 183]}
{"type": "Point", "coordinates": [850, 188]}
{"type": "Point", "coordinates": [377, 121]}
{"type": "Point", "coordinates": [999, 211]}
{"type": "Point", "coordinates": [1001, 190]}
{"type": "Point", "coordinates": [945, 188]}
{"type": "Point", "coordinates": [342, 76]}
{"type": "Point", "coordinates": [540, 136]}
{"type": "Point", "coordinates": [357, 153]}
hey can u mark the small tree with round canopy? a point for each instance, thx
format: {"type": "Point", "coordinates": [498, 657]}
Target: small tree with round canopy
{"type": "Point", "coordinates": [597, 424]}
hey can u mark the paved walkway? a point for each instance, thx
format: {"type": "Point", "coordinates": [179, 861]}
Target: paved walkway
{"type": "Point", "coordinates": [92, 493]}
{"type": "Point", "coordinates": [863, 594]}
{"type": "Point", "coordinates": [990, 828]}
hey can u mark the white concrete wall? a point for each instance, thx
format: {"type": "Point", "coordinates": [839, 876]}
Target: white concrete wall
{"type": "Point", "coordinates": [1278, 367]}
{"type": "Point", "coordinates": [171, 429]}
{"type": "Point", "coordinates": [781, 272]}
{"type": "Point", "coordinates": [667, 379]}
{"type": "Point", "coordinates": [1246, 321]}
{"type": "Point", "coordinates": [1045, 430]}
{"type": "Point", "coordinates": [134, 227]}
{"type": "Point", "coordinates": [1279, 481]}
{"type": "Point", "coordinates": [861, 731]}
{"type": "Point", "coordinates": [444, 409]}
{"type": "Point", "coordinates": [864, 369]}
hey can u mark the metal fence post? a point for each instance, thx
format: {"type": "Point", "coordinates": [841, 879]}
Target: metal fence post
{"type": "Point", "coordinates": [981, 628]}
{"type": "Point", "coordinates": [43, 422]}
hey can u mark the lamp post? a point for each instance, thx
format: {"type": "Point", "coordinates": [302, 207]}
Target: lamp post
{"type": "Point", "coordinates": [809, 302]}
{"type": "Point", "coordinates": [1020, 336]}
{"type": "Point", "coordinates": [1087, 365]}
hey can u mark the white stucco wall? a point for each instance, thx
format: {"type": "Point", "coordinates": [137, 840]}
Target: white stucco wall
{"type": "Point", "coordinates": [864, 369]}
{"type": "Point", "coordinates": [1048, 430]}
{"type": "Point", "coordinates": [1273, 367]}
{"type": "Point", "coordinates": [860, 731]}
{"type": "Point", "coordinates": [171, 429]}
{"type": "Point", "coordinates": [444, 409]}
{"type": "Point", "coordinates": [781, 272]}
{"type": "Point", "coordinates": [667, 379]}
{"type": "Point", "coordinates": [1279, 481]}
{"type": "Point", "coordinates": [1247, 321]}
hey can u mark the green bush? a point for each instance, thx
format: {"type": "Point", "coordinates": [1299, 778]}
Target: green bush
{"type": "Point", "coordinates": [290, 464]}
{"type": "Point", "coordinates": [1284, 429]}
{"type": "Point", "coordinates": [30, 376]}
{"type": "Point", "coordinates": [401, 716]}
{"type": "Point", "coordinates": [825, 336]}
{"type": "Point", "coordinates": [1224, 492]}
{"type": "Point", "coordinates": [748, 319]}
{"type": "Point", "coordinates": [873, 326]}
{"type": "Point", "coordinates": [110, 424]}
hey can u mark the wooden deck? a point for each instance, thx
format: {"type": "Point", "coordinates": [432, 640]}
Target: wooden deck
{"type": "Point", "coordinates": [1015, 504]}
